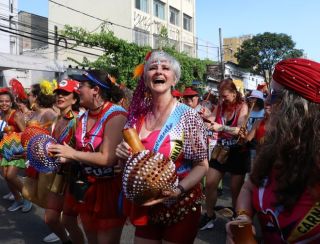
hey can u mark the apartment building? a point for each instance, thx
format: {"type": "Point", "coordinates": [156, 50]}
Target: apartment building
{"type": "Point", "coordinates": [231, 45]}
{"type": "Point", "coordinates": [21, 32]}
{"type": "Point", "coordinates": [137, 21]}
{"type": "Point", "coordinates": [8, 41]}
{"type": "Point", "coordinates": [34, 31]}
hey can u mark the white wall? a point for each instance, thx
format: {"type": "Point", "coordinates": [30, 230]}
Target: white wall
{"type": "Point", "coordinates": [120, 12]}
{"type": "Point", "coordinates": [26, 77]}
{"type": "Point", "coordinates": [252, 81]}
{"type": "Point", "coordinates": [5, 38]}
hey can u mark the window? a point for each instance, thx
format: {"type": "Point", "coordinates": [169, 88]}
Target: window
{"type": "Point", "coordinates": [141, 37]}
{"type": "Point", "coordinates": [13, 44]}
{"type": "Point", "coordinates": [174, 16]}
{"type": "Point", "coordinates": [1, 80]}
{"type": "Point", "coordinates": [156, 41]}
{"type": "Point", "coordinates": [174, 44]}
{"type": "Point", "coordinates": [11, 4]}
{"type": "Point", "coordinates": [186, 22]}
{"type": "Point", "coordinates": [142, 5]}
{"type": "Point", "coordinates": [158, 9]}
{"type": "Point", "coordinates": [187, 49]}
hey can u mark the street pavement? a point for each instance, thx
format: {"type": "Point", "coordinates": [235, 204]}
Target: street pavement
{"type": "Point", "coordinates": [29, 228]}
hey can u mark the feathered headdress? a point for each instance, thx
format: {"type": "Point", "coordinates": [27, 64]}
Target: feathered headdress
{"type": "Point", "coordinates": [17, 89]}
{"type": "Point", "coordinates": [138, 70]}
{"type": "Point", "coordinates": [48, 87]}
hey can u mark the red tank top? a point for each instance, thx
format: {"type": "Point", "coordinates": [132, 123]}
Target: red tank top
{"type": "Point", "coordinates": [261, 131]}
{"type": "Point", "coordinates": [301, 225]}
{"type": "Point", "coordinates": [221, 120]}
{"type": "Point", "coordinates": [12, 122]}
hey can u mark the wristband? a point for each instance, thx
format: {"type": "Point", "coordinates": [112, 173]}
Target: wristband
{"type": "Point", "coordinates": [242, 212]}
{"type": "Point", "coordinates": [222, 127]}
{"type": "Point", "coordinates": [181, 188]}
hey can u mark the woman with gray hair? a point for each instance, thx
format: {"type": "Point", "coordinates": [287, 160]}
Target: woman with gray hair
{"type": "Point", "coordinates": [153, 110]}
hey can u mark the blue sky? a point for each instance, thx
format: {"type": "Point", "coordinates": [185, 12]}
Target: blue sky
{"type": "Point", "coordinates": [297, 18]}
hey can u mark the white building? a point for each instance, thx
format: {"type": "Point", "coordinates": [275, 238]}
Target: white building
{"type": "Point", "coordinates": [8, 41]}
{"type": "Point", "coordinates": [251, 81]}
{"type": "Point", "coordinates": [27, 68]}
{"type": "Point", "coordinates": [8, 38]}
{"type": "Point", "coordinates": [138, 21]}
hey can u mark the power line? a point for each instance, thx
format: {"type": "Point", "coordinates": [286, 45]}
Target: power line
{"type": "Point", "coordinates": [72, 39]}
{"type": "Point", "coordinates": [114, 24]}
{"type": "Point", "coordinates": [47, 42]}
{"type": "Point", "coordinates": [45, 36]}
{"type": "Point", "coordinates": [20, 10]}
{"type": "Point", "coordinates": [125, 27]}
{"type": "Point", "coordinates": [45, 31]}
{"type": "Point", "coordinates": [91, 16]}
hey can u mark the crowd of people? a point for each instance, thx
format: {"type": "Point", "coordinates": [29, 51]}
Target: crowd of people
{"type": "Point", "coordinates": [267, 140]}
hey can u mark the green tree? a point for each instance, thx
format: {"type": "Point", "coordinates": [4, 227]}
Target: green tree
{"type": "Point", "coordinates": [163, 38]}
{"type": "Point", "coordinates": [121, 57]}
{"type": "Point", "coordinates": [263, 51]}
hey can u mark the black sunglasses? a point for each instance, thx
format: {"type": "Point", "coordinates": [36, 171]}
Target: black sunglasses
{"type": "Point", "coordinates": [62, 92]}
{"type": "Point", "coordinates": [275, 96]}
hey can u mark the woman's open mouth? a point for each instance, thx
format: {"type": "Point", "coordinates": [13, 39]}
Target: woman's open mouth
{"type": "Point", "coordinates": [158, 81]}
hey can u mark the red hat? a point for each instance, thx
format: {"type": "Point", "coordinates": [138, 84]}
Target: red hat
{"type": "Point", "coordinates": [301, 76]}
{"type": "Point", "coordinates": [4, 89]}
{"type": "Point", "coordinates": [261, 86]}
{"type": "Point", "coordinates": [68, 86]}
{"type": "Point", "coordinates": [176, 93]}
{"type": "Point", "coordinates": [190, 92]}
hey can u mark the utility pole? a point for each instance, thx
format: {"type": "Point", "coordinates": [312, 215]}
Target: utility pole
{"type": "Point", "coordinates": [56, 42]}
{"type": "Point", "coordinates": [221, 54]}
{"type": "Point", "coordinates": [197, 47]}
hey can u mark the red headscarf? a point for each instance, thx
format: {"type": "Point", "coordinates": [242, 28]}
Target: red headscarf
{"type": "Point", "coordinates": [300, 75]}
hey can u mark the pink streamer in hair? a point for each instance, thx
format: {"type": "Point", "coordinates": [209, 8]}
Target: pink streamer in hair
{"type": "Point", "coordinates": [139, 106]}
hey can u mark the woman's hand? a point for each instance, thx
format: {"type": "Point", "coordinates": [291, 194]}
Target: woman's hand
{"type": "Point", "coordinates": [243, 132]}
{"type": "Point", "coordinates": [172, 193]}
{"type": "Point", "coordinates": [239, 220]}
{"type": "Point", "coordinates": [216, 127]}
{"type": "Point", "coordinates": [123, 151]}
{"type": "Point", "coordinates": [166, 195]}
{"type": "Point", "coordinates": [63, 152]}
{"type": "Point", "coordinates": [62, 160]}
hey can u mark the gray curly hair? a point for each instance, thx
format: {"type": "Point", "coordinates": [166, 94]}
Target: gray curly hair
{"type": "Point", "coordinates": [161, 55]}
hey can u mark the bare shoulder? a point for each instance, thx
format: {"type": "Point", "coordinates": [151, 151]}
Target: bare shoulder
{"type": "Point", "coordinates": [49, 115]}
{"type": "Point", "coordinates": [116, 121]}
{"type": "Point", "coordinates": [244, 107]}
{"type": "Point", "coordinates": [18, 114]}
